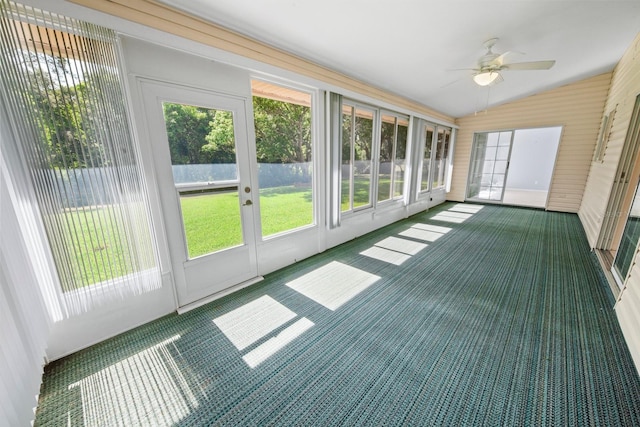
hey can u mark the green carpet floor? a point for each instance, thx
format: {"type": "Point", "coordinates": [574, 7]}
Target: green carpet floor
{"type": "Point", "coordinates": [497, 318]}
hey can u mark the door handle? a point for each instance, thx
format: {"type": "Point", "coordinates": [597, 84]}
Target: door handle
{"type": "Point", "coordinates": [247, 203]}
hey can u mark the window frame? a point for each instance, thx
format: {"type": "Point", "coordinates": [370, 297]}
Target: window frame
{"type": "Point", "coordinates": [375, 131]}
{"type": "Point", "coordinates": [392, 185]}
{"type": "Point", "coordinates": [445, 153]}
{"type": "Point", "coordinates": [316, 152]}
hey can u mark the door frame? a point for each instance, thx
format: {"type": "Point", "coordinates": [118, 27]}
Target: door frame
{"type": "Point", "coordinates": [506, 171]}
{"type": "Point", "coordinates": [192, 275]}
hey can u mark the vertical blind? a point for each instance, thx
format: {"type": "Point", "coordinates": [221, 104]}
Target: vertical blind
{"type": "Point", "coordinates": [65, 98]}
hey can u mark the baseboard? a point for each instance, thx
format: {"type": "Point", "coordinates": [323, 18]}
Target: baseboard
{"type": "Point", "coordinates": [206, 300]}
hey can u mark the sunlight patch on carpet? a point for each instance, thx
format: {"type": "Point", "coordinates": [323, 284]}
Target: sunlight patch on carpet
{"type": "Point", "coordinates": [461, 207]}
{"type": "Point", "coordinates": [409, 247]}
{"type": "Point", "coordinates": [450, 216]}
{"type": "Point", "coordinates": [333, 284]}
{"type": "Point", "coordinates": [147, 388]}
{"type": "Point", "coordinates": [434, 228]}
{"type": "Point", "coordinates": [385, 255]}
{"type": "Point", "coordinates": [419, 234]}
{"type": "Point", "coordinates": [249, 323]}
{"type": "Point", "coordinates": [270, 347]}
{"type": "Point", "coordinates": [423, 232]}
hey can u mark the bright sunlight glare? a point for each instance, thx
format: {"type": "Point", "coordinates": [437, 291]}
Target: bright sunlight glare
{"type": "Point", "coordinates": [146, 388]}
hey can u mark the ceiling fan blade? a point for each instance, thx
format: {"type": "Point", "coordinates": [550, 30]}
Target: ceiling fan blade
{"type": "Point", "coordinates": [535, 65]}
{"type": "Point", "coordinates": [500, 59]}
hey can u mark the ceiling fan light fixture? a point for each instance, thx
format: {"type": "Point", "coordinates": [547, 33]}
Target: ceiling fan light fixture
{"type": "Point", "coordinates": [486, 78]}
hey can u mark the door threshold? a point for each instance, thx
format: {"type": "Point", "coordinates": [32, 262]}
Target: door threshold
{"type": "Point", "coordinates": [206, 300]}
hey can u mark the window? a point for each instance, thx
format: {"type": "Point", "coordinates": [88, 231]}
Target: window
{"type": "Point", "coordinates": [603, 137]}
{"type": "Point", "coordinates": [425, 180]}
{"type": "Point", "coordinates": [400, 161]}
{"type": "Point", "coordinates": [434, 157]}
{"type": "Point", "coordinates": [282, 119]}
{"type": "Point", "coordinates": [63, 91]}
{"type": "Point", "coordinates": [442, 152]}
{"type": "Point", "coordinates": [391, 165]}
{"type": "Point", "coordinates": [357, 148]}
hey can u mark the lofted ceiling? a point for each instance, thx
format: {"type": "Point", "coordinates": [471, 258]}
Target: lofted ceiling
{"type": "Point", "coordinates": [416, 48]}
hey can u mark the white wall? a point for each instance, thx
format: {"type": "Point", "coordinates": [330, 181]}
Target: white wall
{"type": "Point", "coordinates": [24, 322]}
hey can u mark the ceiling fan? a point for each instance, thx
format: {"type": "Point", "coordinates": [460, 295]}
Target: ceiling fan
{"type": "Point", "coordinates": [491, 64]}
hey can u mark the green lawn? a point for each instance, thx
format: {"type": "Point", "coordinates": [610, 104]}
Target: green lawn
{"type": "Point", "coordinates": [362, 188]}
{"type": "Point", "coordinates": [102, 253]}
{"type": "Point", "coordinates": [212, 222]}
{"type": "Point", "coordinates": [285, 208]}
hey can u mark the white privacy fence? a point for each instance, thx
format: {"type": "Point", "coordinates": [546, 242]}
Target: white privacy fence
{"type": "Point", "coordinates": [93, 186]}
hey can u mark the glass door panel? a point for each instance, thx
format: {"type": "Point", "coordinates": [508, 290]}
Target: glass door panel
{"type": "Point", "coordinates": [211, 220]}
{"type": "Point", "coordinates": [629, 242]}
{"type": "Point", "coordinates": [533, 156]}
{"type": "Point", "coordinates": [205, 173]}
{"type": "Point", "coordinates": [489, 165]}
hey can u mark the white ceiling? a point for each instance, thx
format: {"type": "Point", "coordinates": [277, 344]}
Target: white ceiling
{"type": "Point", "coordinates": [410, 47]}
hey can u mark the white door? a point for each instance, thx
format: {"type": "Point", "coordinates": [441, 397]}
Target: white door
{"type": "Point", "coordinates": [206, 191]}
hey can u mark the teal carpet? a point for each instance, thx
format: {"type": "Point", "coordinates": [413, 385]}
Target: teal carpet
{"type": "Point", "coordinates": [499, 318]}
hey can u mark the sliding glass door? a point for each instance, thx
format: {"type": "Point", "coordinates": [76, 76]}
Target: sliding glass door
{"type": "Point", "coordinates": [489, 164]}
{"type": "Point", "coordinates": [533, 157]}
{"type": "Point", "coordinates": [514, 167]}
{"type": "Point", "coordinates": [630, 236]}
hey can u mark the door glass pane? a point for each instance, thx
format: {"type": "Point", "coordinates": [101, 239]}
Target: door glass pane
{"type": "Point", "coordinates": [211, 221]}
{"type": "Point", "coordinates": [282, 119]}
{"type": "Point", "coordinates": [488, 168]}
{"type": "Point", "coordinates": [532, 159]}
{"type": "Point", "coordinates": [502, 153]}
{"type": "Point", "coordinates": [500, 166]}
{"type": "Point", "coordinates": [387, 139]}
{"type": "Point", "coordinates": [504, 139]}
{"type": "Point", "coordinates": [203, 153]}
{"type": "Point", "coordinates": [426, 158]}
{"type": "Point", "coordinates": [399, 165]}
{"type": "Point", "coordinates": [629, 241]}
{"type": "Point", "coordinates": [201, 143]}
